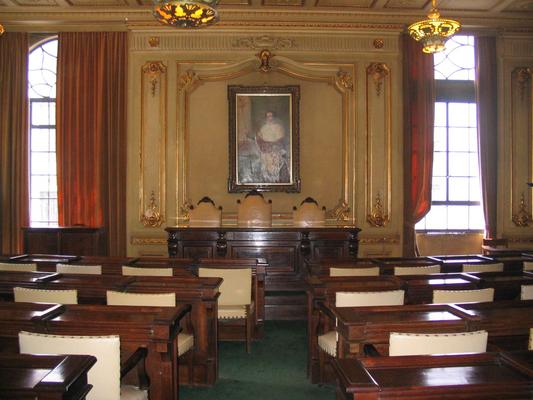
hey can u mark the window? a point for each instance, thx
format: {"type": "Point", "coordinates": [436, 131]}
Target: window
{"type": "Point", "coordinates": [42, 97]}
{"type": "Point", "coordinates": [456, 190]}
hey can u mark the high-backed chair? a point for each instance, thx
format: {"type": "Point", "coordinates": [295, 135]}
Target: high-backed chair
{"type": "Point", "coordinates": [425, 270]}
{"type": "Point", "coordinates": [309, 214]}
{"type": "Point", "coordinates": [463, 296]}
{"type": "Point", "coordinates": [30, 295]}
{"type": "Point", "coordinates": [254, 210]}
{"type": "Point", "coordinates": [366, 271]}
{"type": "Point", "coordinates": [236, 297]}
{"type": "Point", "coordinates": [104, 375]}
{"type": "Point", "coordinates": [185, 340]}
{"type": "Point", "coordinates": [18, 267]}
{"type": "Point", "coordinates": [526, 292]}
{"type": "Point", "coordinates": [528, 265]}
{"type": "Point", "coordinates": [407, 344]}
{"type": "Point", "coordinates": [140, 271]}
{"type": "Point", "coordinates": [79, 269]}
{"type": "Point", "coordinates": [205, 213]}
{"type": "Point", "coordinates": [327, 342]}
{"type": "Point", "coordinates": [496, 267]}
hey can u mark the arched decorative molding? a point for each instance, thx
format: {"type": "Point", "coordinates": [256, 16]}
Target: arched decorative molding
{"type": "Point", "coordinates": [193, 74]}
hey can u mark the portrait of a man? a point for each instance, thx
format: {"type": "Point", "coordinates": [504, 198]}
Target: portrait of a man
{"type": "Point", "coordinates": [263, 140]}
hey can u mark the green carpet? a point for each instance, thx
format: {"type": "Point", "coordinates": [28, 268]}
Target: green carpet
{"type": "Point", "coordinates": [276, 369]}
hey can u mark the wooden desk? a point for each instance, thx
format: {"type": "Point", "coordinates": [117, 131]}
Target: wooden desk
{"type": "Point", "coordinates": [284, 248]}
{"type": "Point", "coordinates": [154, 328]}
{"type": "Point", "coordinates": [44, 377]}
{"type": "Point", "coordinates": [79, 240]}
{"type": "Point", "coordinates": [486, 376]}
{"type": "Point", "coordinates": [201, 293]}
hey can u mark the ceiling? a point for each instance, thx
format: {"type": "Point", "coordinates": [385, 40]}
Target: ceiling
{"type": "Point", "coordinates": [474, 14]}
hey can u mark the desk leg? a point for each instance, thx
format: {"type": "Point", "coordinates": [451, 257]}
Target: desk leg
{"type": "Point", "coordinates": [162, 366]}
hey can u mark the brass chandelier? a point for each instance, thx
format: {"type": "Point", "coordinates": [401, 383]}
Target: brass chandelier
{"type": "Point", "coordinates": [186, 13]}
{"type": "Point", "coordinates": [434, 31]}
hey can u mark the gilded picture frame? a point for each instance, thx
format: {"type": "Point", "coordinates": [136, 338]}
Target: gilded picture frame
{"type": "Point", "coordinates": [264, 138]}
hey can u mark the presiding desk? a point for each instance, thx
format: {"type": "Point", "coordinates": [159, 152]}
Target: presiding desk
{"type": "Point", "coordinates": [153, 328]}
{"type": "Point", "coordinates": [495, 376]}
{"type": "Point", "coordinates": [44, 377]}
{"type": "Point", "coordinates": [285, 248]}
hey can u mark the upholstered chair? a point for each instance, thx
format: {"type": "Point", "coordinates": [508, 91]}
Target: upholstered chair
{"type": "Point", "coordinates": [29, 295]}
{"type": "Point", "coordinates": [185, 339]}
{"type": "Point", "coordinates": [104, 375]}
{"type": "Point", "coordinates": [309, 214]}
{"type": "Point", "coordinates": [18, 267]}
{"type": "Point", "coordinates": [235, 300]}
{"type": "Point", "coordinates": [327, 342]}
{"type": "Point", "coordinates": [425, 270]}
{"type": "Point", "coordinates": [365, 271]}
{"type": "Point", "coordinates": [407, 344]}
{"type": "Point", "coordinates": [79, 269]}
{"type": "Point", "coordinates": [254, 210]}
{"type": "Point", "coordinates": [526, 292]}
{"type": "Point", "coordinates": [205, 214]}
{"type": "Point", "coordinates": [463, 296]}
{"type": "Point", "coordinates": [496, 267]}
{"type": "Point", "coordinates": [528, 265]}
{"type": "Point", "coordinates": [140, 271]}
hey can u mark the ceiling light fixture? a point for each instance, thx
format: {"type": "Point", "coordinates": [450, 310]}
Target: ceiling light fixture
{"type": "Point", "coordinates": [433, 32]}
{"type": "Point", "coordinates": [186, 13]}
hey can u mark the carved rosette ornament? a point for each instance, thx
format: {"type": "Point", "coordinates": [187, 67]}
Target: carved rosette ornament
{"type": "Point", "coordinates": [154, 41]}
{"type": "Point", "coordinates": [344, 80]}
{"type": "Point", "coordinates": [377, 217]}
{"type": "Point", "coordinates": [185, 210]}
{"type": "Point", "coordinates": [341, 212]}
{"type": "Point", "coordinates": [152, 217]}
{"type": "Point", "coordinates": [522, 219]}
{"type": "Point", "coordinates": [186, 80]}
{"type": "Point", "coordinates": [378, 72]}
{"type": "Point", "coordinates": [523, 78]}
{"type": "Point", "coordinates": [154, 70]}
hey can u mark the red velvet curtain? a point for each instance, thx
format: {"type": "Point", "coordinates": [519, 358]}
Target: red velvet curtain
{"type": "Point", "coordinates": [91, 132]}
{"type": "Point", "coordinates": [487, 128]}
{"type": "Point", "coordinates": [419, 110]}
{"type": "Point", "coordinates": [14, 175]}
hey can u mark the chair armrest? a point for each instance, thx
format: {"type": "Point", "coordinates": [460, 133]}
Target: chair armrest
{"type": "Point", "coordinates": [137, 359]}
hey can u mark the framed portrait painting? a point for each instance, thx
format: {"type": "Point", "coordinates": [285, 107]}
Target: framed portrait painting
{"type": "Point", "coordinates": [264, 138]}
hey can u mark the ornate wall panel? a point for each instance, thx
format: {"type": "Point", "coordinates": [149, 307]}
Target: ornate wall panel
{"type": "Point", "coordinates": [152, 162]}
{"type": "Point", "coordinates": [378, 145]}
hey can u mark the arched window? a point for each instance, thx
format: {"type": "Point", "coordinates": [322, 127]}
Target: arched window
{"type": "Point", "coordinates": [42, 96]}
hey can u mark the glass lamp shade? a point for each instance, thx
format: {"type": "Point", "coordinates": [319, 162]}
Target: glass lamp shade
{"type": "Point", "coordinates": [186, 13]}
{"type": "Point", "coordinates": [433, 32]}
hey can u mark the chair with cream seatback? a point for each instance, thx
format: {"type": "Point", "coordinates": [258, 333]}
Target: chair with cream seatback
{"type": "Point", "coordinates": [526, 292]}
{"type": "Point", "coordinates": [463, 296]}
{"type": "Point", "coordinates": [407, 344]}
{"type": "Point", "coordinates": [327, 342]}
{"type": "Point", "coordinates": [496, 267]}
{"type": "Point", "coordinates": [140, 271]}
{"type": "Point", "coordinates": [105, 375]}
{"type": "Point", "coordinates": [236, 297]}
{"type": "Point", "coordinates": [185, 340]}
{"type": "Point", "coordinates": [425, 270]}
{"type": "Point", "coordinates": [30, 295]}
{"type": "Point", "coordinates": [18, 267]}
{"type": "Point", "coordinates": [528, 265]}
{"type": "Point", "coordinates": [205, 214]}
{"type": "Point", "coordinates": [79, 269]}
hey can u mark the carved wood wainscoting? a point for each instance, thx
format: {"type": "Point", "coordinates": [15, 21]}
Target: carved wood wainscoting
{"type": "Point", "coordinates": [285, 249]}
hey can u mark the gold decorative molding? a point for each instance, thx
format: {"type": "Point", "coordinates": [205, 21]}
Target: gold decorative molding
{"type": "Point", "coordinates": [379, 240]}
{"type": "Point", "coordinates": [377, 217]}
{"type": "Point", "coordinates": [187, 80]}
{"type": "Point", "coordinates": [264, 57]}
{"type": "Point", "coordinates": [152, 217]}
{"type": "Point", "coordinates": [140, 241]}
{"type": "Point", "coordinates": [523, 78]}
{"type": "Point", "coordinates": [378, 43]}
{"type": "Point", "coordinates": [344, 80]}
{"type": "Point", "coordinates": [185, 210]}
{"type": "Point", "coordinates": [153, 71]}
{"type": "Point", "coordinates": [154, 41]}
{"type": "Point", "coordinates": [264, 41]}
{"type": "Point", "coordinates": [378, 72]}
{"type": "Point", "coordinates": [522, 218]}
{"type": "Point", "coordinates": [341, 212]}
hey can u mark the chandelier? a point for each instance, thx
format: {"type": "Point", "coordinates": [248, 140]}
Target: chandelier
{"type": "Point", "coordinates": [1, 29]}
{"type": "Point", "coordinates": [433, 32]}
{"type": "Point", "coordinates": [186, 13]}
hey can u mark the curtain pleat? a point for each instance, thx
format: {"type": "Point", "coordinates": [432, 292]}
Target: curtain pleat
{"type": "Point", "coordinates": [487, 128]}
{"type": "Point", "coordinates": [91, 133]}
{"type": "Point", "coordinates": [419, 111]}
{"type": "Point", "coordinates": [14, 180]}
